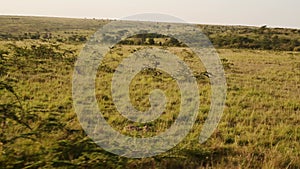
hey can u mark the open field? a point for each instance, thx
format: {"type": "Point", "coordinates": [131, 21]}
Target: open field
{"type": "Point", "coordinates": [39, 127]}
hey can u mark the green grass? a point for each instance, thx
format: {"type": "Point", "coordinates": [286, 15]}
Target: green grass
{"type": "Point", "coordinates": [39, 128]}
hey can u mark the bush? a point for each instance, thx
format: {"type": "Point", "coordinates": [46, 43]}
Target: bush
{"type": "Point", "coordinates": [297, 48]}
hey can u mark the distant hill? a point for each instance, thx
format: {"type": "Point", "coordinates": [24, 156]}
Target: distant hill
{"type": "Point", "coordinates": [70, 29]}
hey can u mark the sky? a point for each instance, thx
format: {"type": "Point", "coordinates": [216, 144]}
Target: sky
{"type": "Point", "coordinates": [273, 13]}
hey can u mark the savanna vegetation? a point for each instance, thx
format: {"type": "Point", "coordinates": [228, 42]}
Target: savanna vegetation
{"type": "Point", "coordinates": [39, 127]}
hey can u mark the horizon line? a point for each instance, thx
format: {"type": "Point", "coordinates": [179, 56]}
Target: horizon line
{"type": "Point", "coordinates": [98, 18]}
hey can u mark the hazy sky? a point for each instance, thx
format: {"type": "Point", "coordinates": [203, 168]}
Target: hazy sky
{"type": "Point", "coordinates": [275, 13]}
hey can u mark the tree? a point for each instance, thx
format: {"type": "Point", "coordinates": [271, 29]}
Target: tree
{"type": "Point", "coordinates": [151, 41]}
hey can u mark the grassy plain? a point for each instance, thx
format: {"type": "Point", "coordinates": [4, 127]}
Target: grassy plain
{"type": "Point", "coordinates": [39, 128]}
